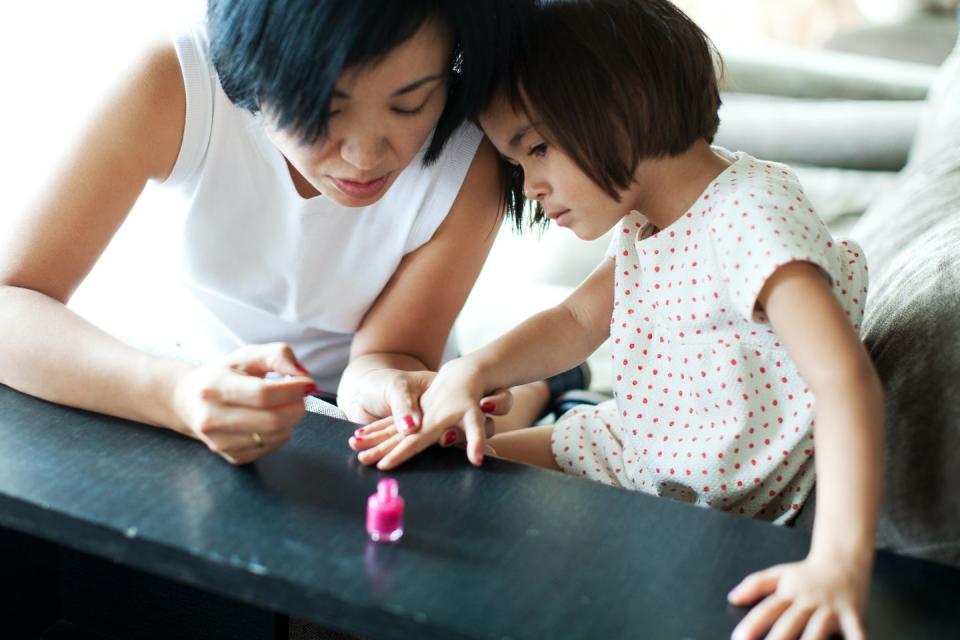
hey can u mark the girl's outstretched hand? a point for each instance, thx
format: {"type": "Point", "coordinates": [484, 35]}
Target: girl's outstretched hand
{"type": "Point", "coordinates": [811, 599]}
{"type": "Point", "coordinates": [453, 412]}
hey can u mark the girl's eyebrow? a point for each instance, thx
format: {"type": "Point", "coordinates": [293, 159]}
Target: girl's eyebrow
{"type": "Point", "coordinates": [407, 88]}
{"type": "Point", "coordinates": [518, 136]}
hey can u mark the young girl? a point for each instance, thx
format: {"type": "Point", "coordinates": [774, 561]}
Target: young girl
{"type": "Point", "coordinates": [733, 313]}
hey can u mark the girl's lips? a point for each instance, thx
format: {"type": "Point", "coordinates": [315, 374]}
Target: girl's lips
{"type": "Point", "coordinates": [360, 190]}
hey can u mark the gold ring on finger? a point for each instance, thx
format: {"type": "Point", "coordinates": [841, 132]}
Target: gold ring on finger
{"type": "Point", "coordinates": [257, 438]}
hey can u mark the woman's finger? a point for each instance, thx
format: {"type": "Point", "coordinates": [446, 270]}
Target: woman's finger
{"type": "Point", "coordinates": [403, 396]}
{"type": "Point", "coordinates": [240, 390]}
{"type": "Point", "coordinates": [261, 359]}
{"type": "Point", "coordinates": [241, 448]}
{"type": "Point", "coordinates": [230, 427]}
{"type": "Point", "coordinates": [498, 403]}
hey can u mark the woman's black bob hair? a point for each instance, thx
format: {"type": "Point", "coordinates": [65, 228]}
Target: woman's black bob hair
{"type": "Point", "coordinates": [288, 53]}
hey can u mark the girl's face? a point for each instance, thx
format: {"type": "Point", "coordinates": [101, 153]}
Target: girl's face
{"type": "Point", "coordinates": [569, 197]}
{"type": "Point", "coordinates": [380, 117]}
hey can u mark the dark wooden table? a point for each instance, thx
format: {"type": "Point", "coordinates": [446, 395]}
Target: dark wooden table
{"type": "Point", "coordinates": [499, 552]}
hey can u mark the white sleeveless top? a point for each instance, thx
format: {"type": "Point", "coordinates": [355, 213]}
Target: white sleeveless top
{"type": "Point", "coordinates": [268, 265]}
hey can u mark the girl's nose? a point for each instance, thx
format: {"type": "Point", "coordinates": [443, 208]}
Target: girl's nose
{"type": "Point", "coordinates": [534, 191]}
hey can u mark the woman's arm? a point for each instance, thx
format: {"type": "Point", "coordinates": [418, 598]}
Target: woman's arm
{"type": "Point", "coordinates": [45, 349]}
{"type": "Point", "coordinates": [48, 351]}
{"type": "Point", "coordinates": [828, 589]}
{"type": "Point", "coordinates": [407, 328]}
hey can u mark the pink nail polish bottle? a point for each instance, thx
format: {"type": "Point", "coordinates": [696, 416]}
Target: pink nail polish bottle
{"type": "Point", "coordinates": [385, 512]}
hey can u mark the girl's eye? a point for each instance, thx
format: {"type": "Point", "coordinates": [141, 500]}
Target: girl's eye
{"type": "Point", "coordinates": [539, 150]}
{"type": "Point", "coordinates": [409, 112]}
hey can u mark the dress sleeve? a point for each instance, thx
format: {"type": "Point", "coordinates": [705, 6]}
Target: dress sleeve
{"type": "Point", "coordinates": [764, 225]}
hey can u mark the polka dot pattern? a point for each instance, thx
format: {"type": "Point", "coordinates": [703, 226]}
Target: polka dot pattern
{"type": "Point", "coordinates": [708, 407]}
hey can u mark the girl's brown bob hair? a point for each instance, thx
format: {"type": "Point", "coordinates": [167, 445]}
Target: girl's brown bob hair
{"type": "Point", "coordinates": [613, 82]}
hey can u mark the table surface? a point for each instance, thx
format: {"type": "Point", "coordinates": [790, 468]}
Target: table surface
{"type": "Point", "coordinates": [504, 551]}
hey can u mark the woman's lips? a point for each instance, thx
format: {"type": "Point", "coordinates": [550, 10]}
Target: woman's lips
{"type": "Point", "coordinates": [360, 190]}
{"type": "Point", "coordinates": [560, 217]}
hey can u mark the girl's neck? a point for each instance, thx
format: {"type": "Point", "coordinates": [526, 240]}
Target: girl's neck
{"type": "Point", "coordinates": [666, 188]}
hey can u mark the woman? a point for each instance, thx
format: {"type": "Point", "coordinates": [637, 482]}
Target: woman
{"type": "Point", "coordinates": [331, 184]}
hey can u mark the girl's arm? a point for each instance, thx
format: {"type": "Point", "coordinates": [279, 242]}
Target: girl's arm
{"type": "Point", "coordinates": [828, 590]}
{"type": "Point", "coordinates": [48, 351]}
{"type": "Point", "coordinates": [547, 343]}
{"type": "Point", "coordinates": [400, 341]}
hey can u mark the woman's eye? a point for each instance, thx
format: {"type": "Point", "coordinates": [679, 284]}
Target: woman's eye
{"type": "Point", "coordinates": [539, 150]}
{"type": "Point", "coordinates": [409, 112]}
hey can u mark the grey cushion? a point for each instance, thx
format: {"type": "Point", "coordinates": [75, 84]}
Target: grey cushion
{"type": "Point", "coordinates": [912, 330]}
{"type": "Point", "coordinates": [852, 134]}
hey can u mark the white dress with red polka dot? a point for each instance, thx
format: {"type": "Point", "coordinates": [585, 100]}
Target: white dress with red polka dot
{"type": "Point", "coordinates": [708, 406]}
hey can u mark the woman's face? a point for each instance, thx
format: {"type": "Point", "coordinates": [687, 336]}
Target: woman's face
{"type": "Point", "coordinates": [380, 117]}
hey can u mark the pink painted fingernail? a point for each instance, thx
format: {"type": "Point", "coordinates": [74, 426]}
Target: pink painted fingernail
{"type": "Point", "coordinates": [449, 438]}
{"type": "Point", "coordinates": [488, 406]}
{"type": "Point", "coordinates": [358, 438]}
{"type": "Point", "coordinates": [361, 430]}
{"type": "Point", "coordinates": [310, 388]}
{"type": "Point", "coordinates": [409, 422]}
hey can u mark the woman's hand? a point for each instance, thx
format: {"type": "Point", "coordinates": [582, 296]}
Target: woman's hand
{"type": "Point", "coordinates": [238, 413]}
{"type": "Point", "coordinates": [811, 599]}
{"type": "Point", "coordinates": [388, 393]}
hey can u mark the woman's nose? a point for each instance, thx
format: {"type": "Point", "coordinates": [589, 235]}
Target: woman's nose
{"type": "Point", "coordinates": [363, 150]}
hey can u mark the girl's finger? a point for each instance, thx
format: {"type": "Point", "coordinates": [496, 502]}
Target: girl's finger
{"type": "Point", "coordinates": [760, 618]}
{"type": "Point", "coordinates": [473, 426]}
{"type": "Point", "coordinates": [791, 623]}
{"type": "Point", "coordinates": [498, 403]}
{"type": "Point", "coordinates": [450, 437]}
{"type": "Point", "coordinates": [382, 424]}
{"type": "Point", "coordinates": [755, 586]}
{"type": "Point", "coordinates": [368, 440]}
{"type": "Point", "coordinates": [408, 447]}
{"type": "Point", "coordinates": [375, 454]}
{"type": "Point", "coordinates": [821, 625]}
{"type": "Point", "coordinates": [851, 625]}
